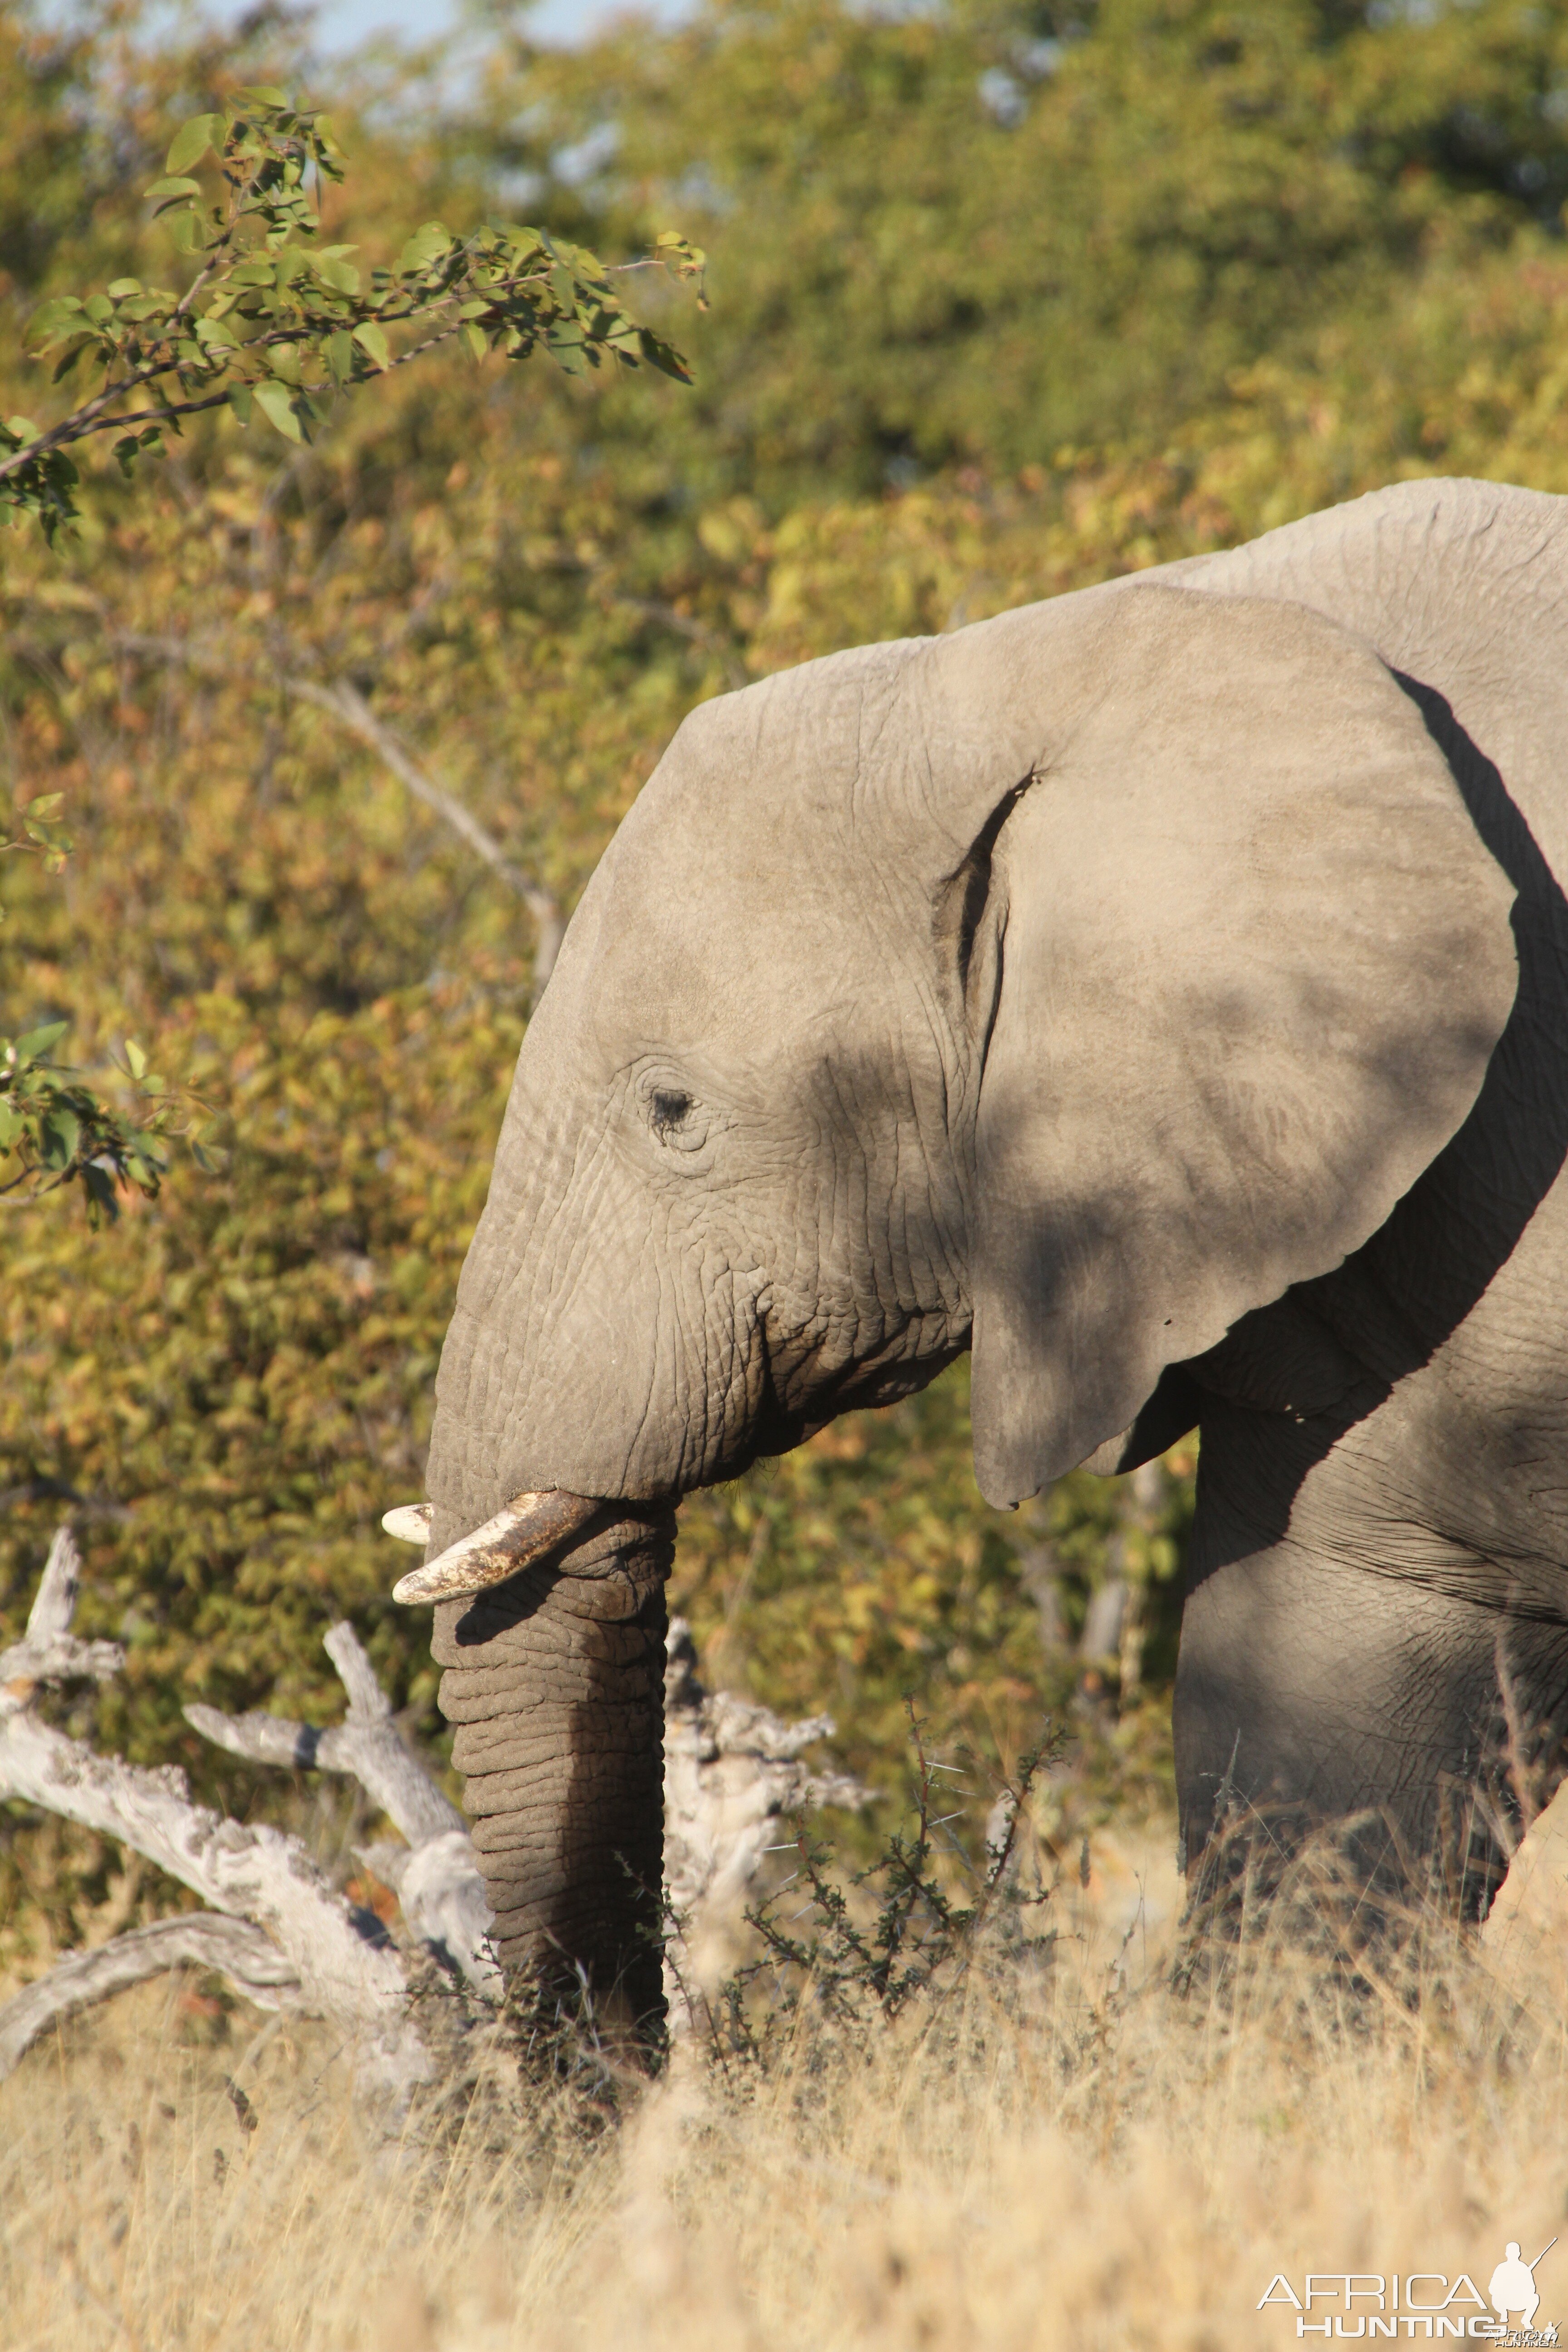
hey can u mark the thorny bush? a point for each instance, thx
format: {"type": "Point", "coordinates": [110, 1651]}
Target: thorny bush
{"type": "Point", "coordinates": [900, 1936]}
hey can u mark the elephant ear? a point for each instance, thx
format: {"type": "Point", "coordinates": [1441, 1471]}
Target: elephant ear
{"type": "Point", "coordinates": [1249, 959]}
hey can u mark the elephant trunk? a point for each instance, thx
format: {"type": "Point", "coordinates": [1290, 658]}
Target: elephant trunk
{"type": "Point", "coordinates": [555, 1683]}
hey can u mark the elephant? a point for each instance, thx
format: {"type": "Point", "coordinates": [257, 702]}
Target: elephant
{"type": "Point", "coordinates": [1160, 992]}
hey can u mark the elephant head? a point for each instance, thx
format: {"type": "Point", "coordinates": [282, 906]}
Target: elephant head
{"type": "Point", "coordinates": [1062, 988]}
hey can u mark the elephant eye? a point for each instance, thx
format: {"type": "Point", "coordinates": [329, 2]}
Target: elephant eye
{"type": "Point", "coordinates": [668, 1110]}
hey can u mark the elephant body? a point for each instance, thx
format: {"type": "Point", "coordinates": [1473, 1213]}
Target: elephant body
{"type": "Point", "coordinates": [1162, 992]}
{"type": "Point", "coordinates": [1377, 1608]}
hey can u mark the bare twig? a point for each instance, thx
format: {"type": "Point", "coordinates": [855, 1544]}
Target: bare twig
{"type": "Point", "coordinates": [49, 1652]}
{"type": "Point", "coordinates": [258, 1871]}
{"type": "Point", "coordinates": [202, 1939]}
{"type": "Point", "coordinates": [435, 1876]}
{"type": "Point", "coordinates": [366, 1743]}
{"type": "Point", "coordinates": [681, 624]}
{"type": "Point", "coordinates": [344, 702]}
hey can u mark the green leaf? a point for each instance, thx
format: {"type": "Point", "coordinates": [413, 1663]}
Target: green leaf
{"type": "Point", "coordinates": [70, 356]}
{"type": "Point", "coordinates": [38, 1042]}
{"type": "Point", "coordinates": [241, 399]}
{"type": "Point", "coordinates": [663, 356]}
{"type": "Point", "coordinates": [371, 339]}
{"type": "Point", "coordinates": [426, 245]}
{"type": "Point", "coordinates": [185, 230]}
{"type": "Point", "coordinates": [340, 355]}
{"type": "Point", "coordinates": [473, 338]}
{"type": "Point", "coordinates": [173, 188]}
{"type": "Point", "coordinates": [120, 289]}
{"type": "Point", "coordinates": [99, 1192]}
{"type": "Point", "coordinates": [192, 140]}
{"type": "Point", "coordinates": [60, 1130]}
{"type": "Point", "coordinates": [53, 319]}
{"type": "Point", "coordinates": [46, 805]}
{"type": "Point", "coordinates": [339, 275]}
{"type": "Point", "coordinates": [136, 1058]}
{"type": "Point", "coordinates": [11, 1126]}
{"type": "Point", "coordinates": [275, 403]}
{"type": "Point", "coordinates": [265, 93]}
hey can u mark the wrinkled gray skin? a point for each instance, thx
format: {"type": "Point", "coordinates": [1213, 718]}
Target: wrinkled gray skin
{"type": "Point", "coordinates": [1162, 992]}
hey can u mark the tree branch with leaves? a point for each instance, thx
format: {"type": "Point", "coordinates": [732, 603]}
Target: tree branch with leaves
{"type": "Point", "coordinates": [54, 1130]}
{"type": "Point", "coordinates": [273, 323]}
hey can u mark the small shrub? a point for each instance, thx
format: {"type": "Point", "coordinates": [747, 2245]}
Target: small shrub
{"type": "Point", "coordinates": [902, 1937]}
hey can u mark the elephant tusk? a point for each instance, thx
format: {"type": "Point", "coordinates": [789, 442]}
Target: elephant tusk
{"type": "Point", "coordinates": [530, 1526]}
{"type": "Point", "coordinates": [410, 1523]}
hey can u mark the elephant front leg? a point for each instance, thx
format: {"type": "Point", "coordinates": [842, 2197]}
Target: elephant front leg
{"type": "Point", "coordinates": [1315, 1688]}
{"type": "Point", "coordinates": [555, 1683]}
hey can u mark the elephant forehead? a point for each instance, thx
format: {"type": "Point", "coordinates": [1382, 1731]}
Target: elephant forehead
{"type": "Point", "coordinates": [749, 853]}
{"type": "Point", "coordinates": [779, 770]}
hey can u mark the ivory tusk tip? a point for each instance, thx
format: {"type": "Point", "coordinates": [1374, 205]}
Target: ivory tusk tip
{"type": "Point", "coordinates": [410, 1523]}
{"type": "Point", "coordinates": [528, 1527]}
{"type": "Point", "coordinates": [414, 1588]}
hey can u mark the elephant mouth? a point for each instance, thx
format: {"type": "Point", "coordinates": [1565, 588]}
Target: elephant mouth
{"type": "Point", "coordinates": [522, 1531]}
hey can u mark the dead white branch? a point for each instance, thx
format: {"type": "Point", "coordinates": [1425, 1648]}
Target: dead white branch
{"type": "Point", "coordinates": [435, 1876]}
{"type": "Point", "coordinates": [49, 1652]}
{"type": "Point", "coordinates": [201, 1939]}
{"type": "Point", "coordinates": [259, 1874]}
{"type": "Point", "coordinates": [276, 1928]}
{"type": "Point", "coordinates": [730, 1770]}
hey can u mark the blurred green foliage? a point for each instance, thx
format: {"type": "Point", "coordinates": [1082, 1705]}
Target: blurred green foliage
{"type": "Point", "coordinates": [1003, 300]}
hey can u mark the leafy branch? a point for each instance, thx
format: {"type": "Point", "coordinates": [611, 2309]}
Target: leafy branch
{"type": "Point", "coordinates": [273, 321]}
{"type": "Point", "coordinates": [42, 835]}
{"type": "Point", "coordinates": [54, 1130]}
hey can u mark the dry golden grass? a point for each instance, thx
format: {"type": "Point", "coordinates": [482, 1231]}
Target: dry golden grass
{"type": "Point", "coordinates": [1098, 2163]}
